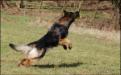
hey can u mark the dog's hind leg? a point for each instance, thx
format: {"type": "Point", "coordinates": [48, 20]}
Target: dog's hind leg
{"type": "Point", "coordinates": [41, 55]}
{"type": "Point", "coordinates": [25, 62]}
{"type": "Point", "coordinates": [65, 43]}
{"type": "Point", "coordinates": [31, 58]}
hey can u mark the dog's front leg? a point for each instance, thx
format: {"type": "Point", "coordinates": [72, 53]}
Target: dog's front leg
{"type": "Point", "coordinates": [65, 43]}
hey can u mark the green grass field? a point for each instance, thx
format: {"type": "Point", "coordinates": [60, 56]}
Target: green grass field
{"type": "Point", "coordinates": [89, 55]}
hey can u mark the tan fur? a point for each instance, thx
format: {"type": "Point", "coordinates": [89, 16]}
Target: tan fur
{"type": "Point", "coordinates": [25, 62]}
{"type": "Point", "coordinates": [65, 42]}
{"type": "Point", "coordinates": [62, 21]}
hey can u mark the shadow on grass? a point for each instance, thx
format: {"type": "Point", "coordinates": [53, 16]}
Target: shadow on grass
{"type": "Point", "coordinates": [60, 65]}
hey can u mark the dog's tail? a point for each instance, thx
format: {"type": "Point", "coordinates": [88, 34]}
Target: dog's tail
{"type": "Point", "coordinates": [20, 48]}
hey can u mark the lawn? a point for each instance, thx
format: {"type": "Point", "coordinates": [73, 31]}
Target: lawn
{"type": "Point", "coordinates": [89, 55]}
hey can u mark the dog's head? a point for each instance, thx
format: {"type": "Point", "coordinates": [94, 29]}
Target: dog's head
{"type": "Point", "coordinates": [71, 14]}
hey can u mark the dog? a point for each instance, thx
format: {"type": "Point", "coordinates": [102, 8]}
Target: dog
{"type": "Point", "coordinates": [56, 35]}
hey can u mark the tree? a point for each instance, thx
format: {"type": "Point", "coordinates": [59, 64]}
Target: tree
{"type": "Point", "coordinates": [4, 4]}
{"type": "Point", "coordinates": [22, 4]}
{"type": "Point", "coordinates": [117, 5]}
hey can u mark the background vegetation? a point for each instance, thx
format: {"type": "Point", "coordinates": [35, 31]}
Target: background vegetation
{"type": "Point", "coordinates": [100, 14]}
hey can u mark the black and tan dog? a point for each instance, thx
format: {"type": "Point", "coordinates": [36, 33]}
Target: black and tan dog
{"type": "Point", "coordinates": [57, 35]}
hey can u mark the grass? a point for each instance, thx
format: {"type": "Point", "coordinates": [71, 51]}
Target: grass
{"type": "Point", "coordinates": [89, 55]}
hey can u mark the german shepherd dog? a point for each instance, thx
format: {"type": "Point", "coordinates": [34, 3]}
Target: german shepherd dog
{"type": "Point", "coordinates": [56, 35]}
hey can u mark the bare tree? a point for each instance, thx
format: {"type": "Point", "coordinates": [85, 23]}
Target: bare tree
{"type": "Point", "coordinates": [22, 4]}
{"type": "Point", "coordinates": [4, 4]}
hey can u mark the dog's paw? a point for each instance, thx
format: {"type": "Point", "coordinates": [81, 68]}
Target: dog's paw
{"type": "Point", "coordinates": [25, 63]}
{"type": "Point", "coordinates": [65, 47]}
{"type": "Point", "coordinates": [70, 46]}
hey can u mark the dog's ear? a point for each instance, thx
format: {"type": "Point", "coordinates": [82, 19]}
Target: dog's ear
{"type": "Point", "coordinates": [65, 12]}
{"type": "Point", "coordinates": [77, 14]}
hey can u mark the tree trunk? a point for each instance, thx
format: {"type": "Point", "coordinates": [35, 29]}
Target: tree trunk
{"type": "Point", "coordinates": [120, 15]}
{"type": "Point", "coordinates": [4, 4]}
{"type": "Point", "coordinates": [22, 4]}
